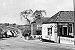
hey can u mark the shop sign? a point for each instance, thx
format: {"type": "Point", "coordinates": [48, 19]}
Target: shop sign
{"type": "Point", "coordinates": [66, 40]}
{"type": "Point", "coordinates": [63, 24]}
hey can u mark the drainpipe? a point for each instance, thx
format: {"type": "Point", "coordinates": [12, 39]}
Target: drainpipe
{"type": "Point", "coordinates": [58, 34]}
{"type": "Point", "coordinates": [31, 29]}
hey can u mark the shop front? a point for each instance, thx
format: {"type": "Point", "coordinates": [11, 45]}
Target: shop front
{"type": "Point", "coordinates": [58, 32]}
{"type": "Point", "coordinates": [65, 33]}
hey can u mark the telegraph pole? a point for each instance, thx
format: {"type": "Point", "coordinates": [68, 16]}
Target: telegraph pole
{"type": "Point", "coordinates": [74, 20]}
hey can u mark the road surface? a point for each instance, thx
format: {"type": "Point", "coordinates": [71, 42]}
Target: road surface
{"type": "Point", "coordinates": [20, 44]}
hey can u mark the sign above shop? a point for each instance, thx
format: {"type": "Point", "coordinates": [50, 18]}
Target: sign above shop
{"type": "Point", "coordinates": [63, 24]}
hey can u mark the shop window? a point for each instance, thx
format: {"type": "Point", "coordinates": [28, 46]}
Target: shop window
{"type": "Point", "coordinates": [66, 31]}
{"type": "Point", "coordinates": [49, 31]}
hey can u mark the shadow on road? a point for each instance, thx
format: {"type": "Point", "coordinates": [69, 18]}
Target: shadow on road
{"type": "Point", "coordinates": [44, 40]}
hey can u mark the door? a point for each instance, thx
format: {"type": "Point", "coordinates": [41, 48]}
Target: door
{"type": "Point", "coordinates": [62, 31]}
{"type": "Point", "coordinates": [65, 31]}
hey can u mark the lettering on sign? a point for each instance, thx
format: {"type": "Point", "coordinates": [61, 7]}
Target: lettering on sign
{"type": "Point", "coordinates": [67, 39]}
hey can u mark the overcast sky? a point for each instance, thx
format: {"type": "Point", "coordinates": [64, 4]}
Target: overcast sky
{"type": "Point", "coordinates": [10, 9]}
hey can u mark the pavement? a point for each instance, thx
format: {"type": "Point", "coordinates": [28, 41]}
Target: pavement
{"type": "Point", "coordinates": [22, 44]}
{"type": "Point", "coordinates": [67, 46]}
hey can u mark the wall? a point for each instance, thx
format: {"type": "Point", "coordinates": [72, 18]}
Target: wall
{"type": "Point", "coordinates": [66, 40]}
{"type": "Point", "coordinates": [33, 28]}
{"type": "Point", "coordinates": [45, 31]}
{"type": "Point", "coordinates": [35, 25]}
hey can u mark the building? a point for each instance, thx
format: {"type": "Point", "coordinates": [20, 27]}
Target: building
{"type": "Point", "coordinates": [59, 28]}
{"type": "Point", "coordinates": [36, 25]}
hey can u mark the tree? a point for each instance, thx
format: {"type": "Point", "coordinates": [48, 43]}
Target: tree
{"type": "Point", "coordinates": [34, 15]}
{"type": "Point", "coordinates": [39, 13]}
{"type": "Point", "coordinates": [26, 13]}
{"type": "Point", "coordinates": [6, 24]}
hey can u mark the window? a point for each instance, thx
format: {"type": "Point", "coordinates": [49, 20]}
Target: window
{"type": "Point", "coordinates": [49, 31]}
{"type": "Point", "coordinates": [39, 26]}
{"type": "Point", "coordinates": [71, 30]}
{"type": "Point", "coordinates": [39, 32]}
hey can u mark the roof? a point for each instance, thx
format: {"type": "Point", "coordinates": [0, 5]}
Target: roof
{"type": "Point", "coordinates": [41, 20]}
{"type": "Point", "coordinates": [62, 16]}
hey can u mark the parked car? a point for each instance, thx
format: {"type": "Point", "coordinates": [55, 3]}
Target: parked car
{"type": "Point", "coordinates": [1, 32]}
{"type": "Point", "coordinates": [4, 35]}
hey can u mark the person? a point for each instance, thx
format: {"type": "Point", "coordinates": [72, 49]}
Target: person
{"type": "Point", "coordinates": [29, 34]}
{"type": "Point", "coordinates": [26, 36]}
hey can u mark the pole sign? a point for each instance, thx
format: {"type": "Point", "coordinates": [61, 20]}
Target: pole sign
{"type": "Point", "coordinates": [74, 20]}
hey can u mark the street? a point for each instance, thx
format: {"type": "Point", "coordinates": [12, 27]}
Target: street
{"type": "Point", "coordinates": [20, 44]}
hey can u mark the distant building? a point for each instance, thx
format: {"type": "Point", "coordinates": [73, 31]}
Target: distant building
{"type": "Point", "coordinates": [59, 28]}
{"type": "Point", "coordinates": [36, 26]}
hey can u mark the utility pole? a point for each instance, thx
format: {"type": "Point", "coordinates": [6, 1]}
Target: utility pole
{"type": "Point", "coordinates": [74, 20]}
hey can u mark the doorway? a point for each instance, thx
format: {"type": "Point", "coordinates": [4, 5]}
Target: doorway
{"type": "Point", "coordinates": [63, 30]}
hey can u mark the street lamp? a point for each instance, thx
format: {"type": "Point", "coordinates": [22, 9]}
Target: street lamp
{"type": "Point", "coordinates": [74, 20]}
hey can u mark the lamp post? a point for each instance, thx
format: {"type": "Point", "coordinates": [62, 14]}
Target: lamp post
{"type": "Point", "coordinates": [74, 20]}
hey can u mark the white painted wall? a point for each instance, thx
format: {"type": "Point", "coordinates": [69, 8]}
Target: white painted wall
{"type": "Point", "coordinates": [45, 31]}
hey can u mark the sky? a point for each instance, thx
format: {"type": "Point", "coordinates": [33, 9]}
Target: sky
{"type": "Point", "coordinates": [10, 9]}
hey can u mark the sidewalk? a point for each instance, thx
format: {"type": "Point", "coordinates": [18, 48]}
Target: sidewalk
{"type": "Point", "coordinates": [67, 46]}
